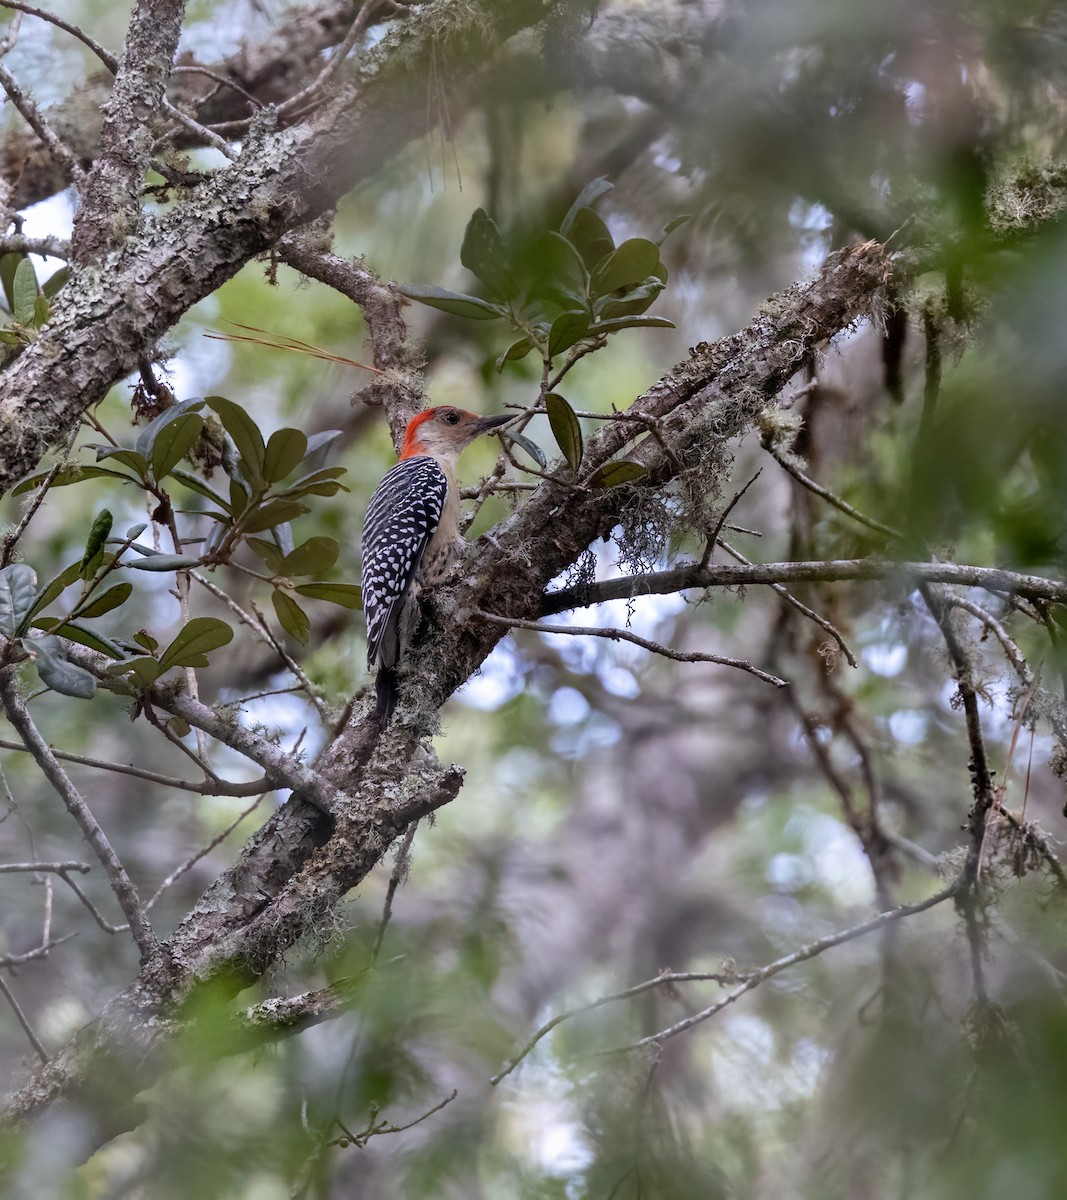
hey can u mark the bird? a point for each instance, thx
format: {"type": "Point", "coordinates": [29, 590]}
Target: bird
{"type": "Point", "coordinates": [411, 536]}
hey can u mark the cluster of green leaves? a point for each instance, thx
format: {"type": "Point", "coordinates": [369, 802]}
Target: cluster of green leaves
{"type": "Point", "coordinates": [29, 304]}
{"type": "Point", "coordinates": [568, 290]}
{"type": "Point", "coordinates": [262, 498]}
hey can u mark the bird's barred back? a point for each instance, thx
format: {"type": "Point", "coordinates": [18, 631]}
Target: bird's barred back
{"type": "Point", "coordinates": [402, 517]}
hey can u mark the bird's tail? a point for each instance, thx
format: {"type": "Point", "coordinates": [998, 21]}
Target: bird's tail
{"type": "Point", "coordinates": [385, 688]}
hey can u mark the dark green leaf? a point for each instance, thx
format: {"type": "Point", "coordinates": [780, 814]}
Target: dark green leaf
{"type": "Point", "coordinates": [146, 439]}
{"type": "Point", "coordinates": [587, 197]}
{"type": "Point", "coordinates": [515, 352]}
{"type": "Point", "coordinates": [69, 475]}
{"type": "Point", "coordinates": [196, 639]}
{"type": "Point", "coordinates": [318, 440]}
{"type": "Point", "coordinates": [268, 552]}
{"type": "Point", "coordinates": [531, 448]}
{"type": "Point", "coordinates": [81, 634]}
{"type": "Point", "coordinates": [173, 442]}
{"type": "Point", "coordinates": [146, 641]}
{"type": "Point", "coordinates": [631, 264]}
{"type": "Point", "coordinates": [18, 593]}
{"type": "Point", "coordinates": [567, 328]}
{"type": "Point", "coordinates": [562, 269]}
{"type": "Point", "coordinates": [591, 237]}
{"type": "Point", "coordinates": [52, 589]}
{"type": "Point", "coordinates": [565, 429]}
{"type": "Point", "coordinates": [9, 264]}
{"type": "Point", "coordinates": [617, 323]}
{"type": "Point", "coordinates": [630, 303]}
{"type": "Point", "coordinates": [163, 562]}
{"type": "Point", "coordinates": [313, 557]}
{"type": "Point", "coordinates": [239, 497]}
{"type": "Point", "coordinates": [179, 727]}
{"type": "Point", "coordinates": [56, 670]}
{"type": "Point", "coordinates": [147, 670]}
{"type": "Point", "coordinates": [677, 223]}
{"type": "Point", "coordinates": [292, 617]}
{"type": "Point", "coordinates": [94, 546]}
{"type": "Point", "coordinates": [42, 310]}
{"type": "Point", "coordinates": [55, 282]}
{"type": "Point", "coordinates": [484, 254]}
{"type": "Point", "coordinates": [348, 595]}
{"type": "Point", "coordinates": [613, 473]}
{"type": "Point", "coordinates": [275, 512]}
{"type": "Point", "coordinates": [24, 292]}
{"type": "Point", "coordinates": [195, 484]}
{"type": "Point", "coordinates": [112, 598]}
{"type": "Point", "coordinates": [244, 432]}
{"type": "Point", "coordinates": [285, 449]}
{"type": "Point", "coordinates": [323, 475]}
{"type": "Point", "coordinates": [129, 458]}
{"type": "Point", "coordinates": [455, 303]}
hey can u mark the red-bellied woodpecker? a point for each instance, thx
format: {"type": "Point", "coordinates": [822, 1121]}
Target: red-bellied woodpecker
{"type": "Point", "coordinates": [411, 535]}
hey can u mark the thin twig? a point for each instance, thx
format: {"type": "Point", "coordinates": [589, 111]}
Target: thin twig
{"type": "Point", "coordinates": [20, 1016]}
{"type": "Point", "coordinates": [709, 547]}
{"type": "Point", "coordinates": [42, 951]}
{"type": "Point", "coordinates": [106, 57]}
{"type": "Point", "coordinates": [47, 135]}
{"type": "Point", "coordinates": [400, 870]}
{"type": "Point", "coordinates": [56, 868]}
{"type": "Point", "coordinates": [624, 635]}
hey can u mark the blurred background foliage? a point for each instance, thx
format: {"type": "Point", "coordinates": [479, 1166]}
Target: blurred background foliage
{"type": "Point", "coordinates": [623, 814]}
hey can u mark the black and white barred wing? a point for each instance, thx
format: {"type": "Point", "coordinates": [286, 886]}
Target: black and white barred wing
{"type": "Point", "coordinates": [403, 515]}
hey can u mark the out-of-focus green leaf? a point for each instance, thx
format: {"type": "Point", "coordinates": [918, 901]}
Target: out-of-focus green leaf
{"type": "Point", "coordinates": [456, 303]}
{"type": "Point", "coordinates": [275, 512]}
{"type": "Point", "coordinates": [484, 254]}
{"type": "Point", "coordinates": [94, 545]}
{"type": "Point", "coordinates": [677, 223]}
{"type": "Point", "coordinates": [614, 473]}
{"type": "Point", "coordinates": [54, 587]}
{"type": "Point", "coordinates": [55, 282]}
{"type": "Point", "coordinates": [292, 617]}
{"type": "Point", "coordinates": [516, 351]}
{"type": "Point", "coordinates": [243, 431]}
{"type": "Point", "coordinates": [567, 328]}
{"type": "Point", "coordinates": [566, 429]}
{"type": "Point", "coordinates": [562, 270]}
{"type": "Point", "coordinates": [64, 478]}
{"type": "Point", "coordinates": [104, 603]}
{"type": "Point", "coordinates": [591, 237]}
{"type": "Point", "coordinates": [198, 638]}
{"type": "Point", "coordinates": [268, 552]}
{"type": "Point", "coordinates": [285, 449]}
{"type": "Point", "coordinates": [56, 670]}
{"type": "Point", "coordinates": [318, 440]}
{"type": "Point", "coordinates": [631, 264]}
{"type": "Point", "coordinates": [42, 310]}
{"type": "Point", "coordinates": [587, 197]}
{"type": "Point", "coordinates": [9, 264]}
{"type": "Point", "coordinates": [24, 292]}
{"type": "Point", "coordinates": [313, 557]}
{"type": "Point", "coordinates": [9, 338]}
{"type": "Point", "coordinates": [18, 593]}
{"type": "Point", "coordinates": [347, 595]}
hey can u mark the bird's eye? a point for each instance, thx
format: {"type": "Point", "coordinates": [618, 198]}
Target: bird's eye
{"type": "Point", "coordinates": [452, 417]}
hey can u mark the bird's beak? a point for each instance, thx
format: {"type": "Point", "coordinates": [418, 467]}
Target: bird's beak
{"type": "Point", "coordinates": [485, 424]}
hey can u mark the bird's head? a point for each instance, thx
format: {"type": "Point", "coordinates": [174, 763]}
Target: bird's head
{"type": "Point", "coordinates": [445, 431]}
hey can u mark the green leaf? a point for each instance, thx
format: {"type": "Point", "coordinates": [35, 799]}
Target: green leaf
{"type": "Point", "coordinates": [311, 481]}
{"type": "Point", "coordinates": [146, 669]}
{"type": "Point", "coordinates": [82, 634]}
{"type": "Point", "coordinates": [516, 351]}
{"type": "Point", "coordinates": [632, 302]}
{"type": "Point", "coordinates": [9, 264]}
{"type": "Point", "coordinates": [275, 512]}
{"type": "Point", "coordinates": [587, 197]}
{"type": "Point", "coordinates": [292, 617]}
{"type": "Point", "coordinates": [244, 433]}
{"type": "Point", "coordinates": [565, 429]}
{"type": "Point", "coordinates": [94, 546]}
{"type": "Point", "coordinates": [239, 497]}
{"type": "Point", "coordinates": [179, 726]}
{"type": "Point", "coordinates": [285, 449]}
{"type": "Point", "coordinates": [455, 303]}
{"type": "Point", "coordinates": [9, 338]}
{"type": "Point", "coordinates": [484, 254]}
{"type": "Point", "coordinates": [56, 670]}
{"type": "Point", "coordinates": [567, 328]}
{"type": "Point", "coordinates": [146, 641]}
{"type": "Point", "coordinates": [347, 595]}
{"type": "Point", "coordinates": [55, 282]}
{"type": "Point", "coordinates": [633, 262]}
{"type": "Point", "coordinates": [18, 594]}
{"type": "Point", "coordinates": [313, 557]}
{"type": "Point", "coordinates": [42, 310]}
{"type": "Point", "coordinates": [173, 442]}
{"type": "Point", "coordinates": [162, 562]}
{"type": "Point", "coordinates": [110, 599]}
{"type": "Point", "coordinates": [53, 588]}
{"type": "Point", "coordinates": [617, 323]}
{"type": "Point", "coordinates": [201, 635]}
{"type": "Point", "coordinates": [135, 531]}
{"type": "Point", "coordinates": [24, 292]}
{"type": "Point", "coordinates": [195, 484]}
{"type": "Point", "coordinates": [146, 439]}
{"type": "Point", "coordinates": [677, 223]}
{"type": "Point", "coordinates": [591, 237]}
{"type": "Point", "coordinates": [268, 552]}
{"type": "Point", "coordinates": [318, 440]}
{"type": "Point", "coordinates": [531, 447]}
{"type": "Point", "coordinates": [563, 269]}
{"type": "Point", "coordinates": [614, 473]}
{"type": "Point", "coordinates": [129, 458]}
{"type": "Point", "coordinates": [69, 475]}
